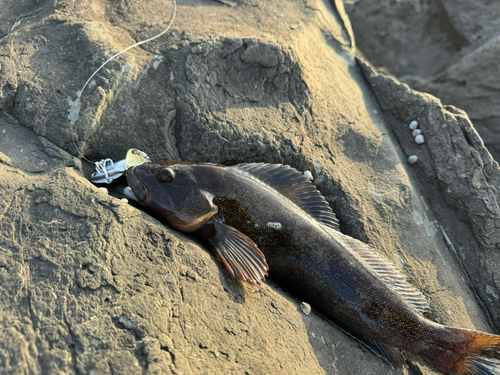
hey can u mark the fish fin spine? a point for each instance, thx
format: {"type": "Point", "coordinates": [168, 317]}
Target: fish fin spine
{"type": "Point", "coordinates": [389, 273]}
{"type": "Point", "coordinates": [239, 254]}
{"type": "Point", "coordinates": [296, 187]}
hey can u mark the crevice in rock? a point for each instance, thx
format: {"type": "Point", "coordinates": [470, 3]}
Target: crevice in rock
{"type": "Point", "coordinates": [32, 316]}
{"type": "Point", "coordinates": [170, 352]}
{"type": "Point", "coordinates": [466, 135]}
{"type": "Point", "coordinates": [124, 323]}
{"type": "Point", "coordinates": [456, 38]}
{"type": "Point", "coordinates": [72, 345]}
{"type": "Point", "coordinates": [413, 369]}
{"type": "Point", "coordinates": [142, 356]}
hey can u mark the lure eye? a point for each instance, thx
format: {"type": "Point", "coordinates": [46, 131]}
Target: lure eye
{"type": "Point", "coordinates": [166, 175]}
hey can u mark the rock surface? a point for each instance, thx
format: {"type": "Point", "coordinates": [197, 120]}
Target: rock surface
{"type": "Point", "coordinates": [90, 284]}
{"type": "Point", "coordinates": [454, 165]}
{"type": "Point", "coordinates": [476, 21]}
{"type": "Point", "coordinates": [406, 37]}
{"type": "Point", "coordinates": [472, 84]}
{"type": "Point", "coordinates": [449, 49]}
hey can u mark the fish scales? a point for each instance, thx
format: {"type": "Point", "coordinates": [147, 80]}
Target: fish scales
{"type": "Point", "coordinates": [306, 258]}
{"type": "Point", "coordinates": [326, 273]}
{"type": "Point", "coordinates": [255, 221]}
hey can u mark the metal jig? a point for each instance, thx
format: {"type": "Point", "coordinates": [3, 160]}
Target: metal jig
{"type": "Point", "coordinates": [106, 170]}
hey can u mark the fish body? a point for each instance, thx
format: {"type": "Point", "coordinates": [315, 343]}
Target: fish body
{"type": "Point", "coordinates": [263, 217]}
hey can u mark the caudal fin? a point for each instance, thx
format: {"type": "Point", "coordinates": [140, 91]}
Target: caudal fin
{"type": "Point", "coordinates": [479, 356]}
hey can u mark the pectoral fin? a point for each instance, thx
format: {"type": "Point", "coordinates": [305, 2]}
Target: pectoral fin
{"type": "Point", "coordinates": [241, 256]}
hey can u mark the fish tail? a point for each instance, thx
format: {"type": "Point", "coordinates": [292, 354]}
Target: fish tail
{"type": "Point", "coordinates": [481, 357]}
{"type": "Point", "coordinates": [477, 353]}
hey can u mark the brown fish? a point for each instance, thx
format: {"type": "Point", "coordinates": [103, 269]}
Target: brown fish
{"type": "Point", "coordinates": [260, 217]}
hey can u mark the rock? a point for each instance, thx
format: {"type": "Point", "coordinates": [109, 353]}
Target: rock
{"type": "Point", "coordinates": [477, 21]}
{"type": "Point", "coordinates": [455, 166]}
{"type": "Point", "coordinates": [91, 284]}
{"type": "Point", "coordinates": [471, 83]}
{"type": "Point", "coordinates": [30, 152]}
{"type": "Point", "coordinates": [455, 57]}
{"type": "Point", "coordinates": [406, 37]}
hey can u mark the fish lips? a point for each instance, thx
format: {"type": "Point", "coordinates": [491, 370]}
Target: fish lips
{"type": "Point", "coordinates": [137, 191]}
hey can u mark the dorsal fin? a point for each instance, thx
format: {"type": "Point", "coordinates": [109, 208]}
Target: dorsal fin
{"type": "Point", "coordinates": [390, 274]}
{"type": "Point", "coordinates": [296, 187]}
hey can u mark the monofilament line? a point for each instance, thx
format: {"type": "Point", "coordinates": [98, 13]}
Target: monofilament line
{"type": "Point", "coordinates": [77, 101]}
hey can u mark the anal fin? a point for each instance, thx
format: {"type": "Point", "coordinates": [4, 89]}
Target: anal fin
{"type": "Point", "coordinates": [390, 354]}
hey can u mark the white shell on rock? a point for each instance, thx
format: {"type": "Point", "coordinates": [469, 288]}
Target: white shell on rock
{"type": "Point", "coordinates": [308, 175]}
{"type": "Point", "coordinates": [413, 125]}
{"type": "Point", "coordinates": [124, 200]}
{"type": "Point", "coordinates": [419, 139]}
{"type": "Point", "coordinates": [104, 190]}
{"type": "Point", "coordinates": [416, 132]}
{"type": "Point", "coordinates": [306, 308]}
{"type": "Point", "coordinates": [413, 159]}
{"type": "Point", "coordinates": [274, 225]}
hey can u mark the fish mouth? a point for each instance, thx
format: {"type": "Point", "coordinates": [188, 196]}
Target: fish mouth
{"type": "Point", "coordinates": [137, 191]}
{"type": "Point", "coordinates": [129, 193]}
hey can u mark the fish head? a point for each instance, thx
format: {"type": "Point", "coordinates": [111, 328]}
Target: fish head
{"type": "Point", "coordinates": [172, 192]}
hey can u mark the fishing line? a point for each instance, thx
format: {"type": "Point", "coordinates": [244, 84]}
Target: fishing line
{"type": "Point", "coordinates": [76, 103]}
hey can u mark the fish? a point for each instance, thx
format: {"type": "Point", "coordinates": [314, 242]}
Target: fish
{"type": "Point", "coordinates": [268, 220]}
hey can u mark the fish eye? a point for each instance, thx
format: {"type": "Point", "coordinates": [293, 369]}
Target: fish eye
{"type": "Point", "coordinates": [166, 175]}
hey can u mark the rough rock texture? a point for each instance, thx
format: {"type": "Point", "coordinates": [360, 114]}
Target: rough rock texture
{"type": "Point", "coordinates": [90, 284]}
{"type": "Point", "coordinates": [455, 169]}
{"type": "Point", "coordinates": [475, 20]}
{"type": "Point", "coordinates": [472, 84]}
{"type": "Point", "coordinates": [407, 37]}
{"type": "Point", "coordinates": [444, 47]}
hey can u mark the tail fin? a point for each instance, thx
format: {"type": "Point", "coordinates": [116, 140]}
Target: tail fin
{"type": "Point", "coordinates": [479, 356]}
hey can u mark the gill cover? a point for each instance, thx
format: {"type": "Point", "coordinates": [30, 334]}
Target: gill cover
{"type": "Point", "coordinates": [196, 211]}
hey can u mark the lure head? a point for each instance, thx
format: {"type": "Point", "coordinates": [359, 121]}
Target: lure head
{"type": "Point", "coordinates": [172, 192]}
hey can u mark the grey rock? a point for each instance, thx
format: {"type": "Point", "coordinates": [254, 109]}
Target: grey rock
{"type": "Point", "coordinates": [454, 56]}
{"type": "Point", "coordinates": [477, 21]}
{"type": "Point", "coordinates": [455, 166]}
{"type": "Point", "coordinates": [92, 284]}
{"type": "Point", "coordinates": [30, 152]}
{"type": "Point", "coordinates": [471, 83]}
{"type": "Point", "coordinates": [406, 37]}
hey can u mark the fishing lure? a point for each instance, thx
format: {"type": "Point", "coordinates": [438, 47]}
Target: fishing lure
{"type": "Point", "coordinates": [107, 171]}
